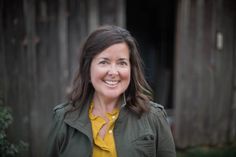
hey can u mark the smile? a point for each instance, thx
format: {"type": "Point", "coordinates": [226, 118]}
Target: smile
{"type": "Point", "coordinates": [111, 83]}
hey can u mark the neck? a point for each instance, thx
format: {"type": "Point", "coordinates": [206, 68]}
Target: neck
{"type": "Point", "coordinates": [102, 105]}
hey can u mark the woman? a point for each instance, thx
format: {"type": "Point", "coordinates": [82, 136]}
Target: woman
{"type": "Point", "coordinates": [110, 112]}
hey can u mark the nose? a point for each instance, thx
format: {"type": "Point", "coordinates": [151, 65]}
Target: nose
{"type": "Point", "coordinates": [113, 70]}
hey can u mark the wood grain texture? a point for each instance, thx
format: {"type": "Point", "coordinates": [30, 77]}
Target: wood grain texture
{"type": "Point", "coordinates": [203, 80]}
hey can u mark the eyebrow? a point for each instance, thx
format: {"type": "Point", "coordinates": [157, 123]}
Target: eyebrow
{"type": "Point", "coordinates": [103, 58]}
{"type": "Point", "coordinates": [120, 59]}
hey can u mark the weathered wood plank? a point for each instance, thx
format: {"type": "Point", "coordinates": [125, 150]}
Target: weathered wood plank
{"type": "Point", "coordinates": [78, 29]}
{"type": "Point", "coordinates": [231, 5]}
{"type": "Point", "coordinates": [93, 15]}
{"type": "Point", "coordinates": [183, 9]}
{"type": "Point", "coordinates": [232, 136]}
{"type": "Point", "coordinates": [31, 60]}
{"type": "Point", "coordinates": [108, 12]}
{"type": "Point", "coordinates": [3, 78]}
{"type": "Point", "coordinates": [63, 45]}
{"type": "Point", "coordinates": [112, 12]}
{"type": "Point", "coordinates": [121, 13]}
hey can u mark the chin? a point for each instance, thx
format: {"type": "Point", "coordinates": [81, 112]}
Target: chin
{"type": "Point", "coordinates": [112, 96]}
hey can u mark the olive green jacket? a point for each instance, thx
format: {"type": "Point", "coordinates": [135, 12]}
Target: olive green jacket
{"type": "Point", "coordinates": [148, 136]}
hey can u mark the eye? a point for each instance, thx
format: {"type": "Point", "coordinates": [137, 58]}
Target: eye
{"type": "Point", "coordinates": [103, 62]}
{"type": "Point", "coordinates": [123, 63]}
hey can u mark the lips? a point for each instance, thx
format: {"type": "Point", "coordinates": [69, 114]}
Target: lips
{"type": "Point", "coordinates": [111, 83]}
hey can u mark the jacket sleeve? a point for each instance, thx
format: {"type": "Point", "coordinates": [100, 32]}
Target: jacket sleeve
{"type": "Point", "coordinates": [56, 134]}
{"type": "Point", "coordinates": [165, 141]}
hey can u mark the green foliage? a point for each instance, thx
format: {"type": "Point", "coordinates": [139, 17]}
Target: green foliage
{"type": "Point", "coordinates": [8, 149]}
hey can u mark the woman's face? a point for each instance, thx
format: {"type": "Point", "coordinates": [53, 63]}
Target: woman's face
{"type": "Point", "coordinates": [110, 71]}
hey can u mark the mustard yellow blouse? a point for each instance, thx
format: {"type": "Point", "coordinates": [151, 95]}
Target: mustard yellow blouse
{"type": "Point", "coordinates": [103, 147]}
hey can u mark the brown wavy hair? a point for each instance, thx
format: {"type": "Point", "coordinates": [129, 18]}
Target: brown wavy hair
{"type": "Point", "coordinates": [138, 93]}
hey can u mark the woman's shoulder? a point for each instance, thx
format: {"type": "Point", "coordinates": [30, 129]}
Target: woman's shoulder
{"type": "Point", "coordinates": [157, 115]}
{"type": "Point", "coordinates": [61, 106]}
{"type": "Point", "coordinates": [61, 109]}
{"type": "Point", "coordinates": [157, 109]}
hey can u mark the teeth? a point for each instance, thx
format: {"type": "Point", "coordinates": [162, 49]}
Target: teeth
{"type": "Point", "coordinates": [111, 82]}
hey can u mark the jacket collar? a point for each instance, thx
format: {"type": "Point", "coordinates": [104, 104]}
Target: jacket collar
{"type": "Point", "coordinates": [79, 118]}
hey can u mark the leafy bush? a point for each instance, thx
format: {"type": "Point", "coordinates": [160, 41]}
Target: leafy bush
{"type": "Point", "coordinates": [8, 149]}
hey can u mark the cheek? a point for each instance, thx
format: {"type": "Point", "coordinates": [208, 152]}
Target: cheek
{"type": "Point", "coordinates": [93, 74]}
{"type": "Point", "coordinates": [126, 75]}
{"type": "Point", "coordinates": [96, 74]}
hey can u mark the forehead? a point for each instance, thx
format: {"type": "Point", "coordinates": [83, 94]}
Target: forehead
{"type": "Point", "coordinates": [119, 50]}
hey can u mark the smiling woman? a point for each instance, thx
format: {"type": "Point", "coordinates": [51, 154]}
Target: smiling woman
{"type": "Point", "coordinates": [109, 112]}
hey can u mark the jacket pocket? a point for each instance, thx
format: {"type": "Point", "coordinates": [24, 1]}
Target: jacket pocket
{"type": "Point", "coordinates": [145, 145]}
